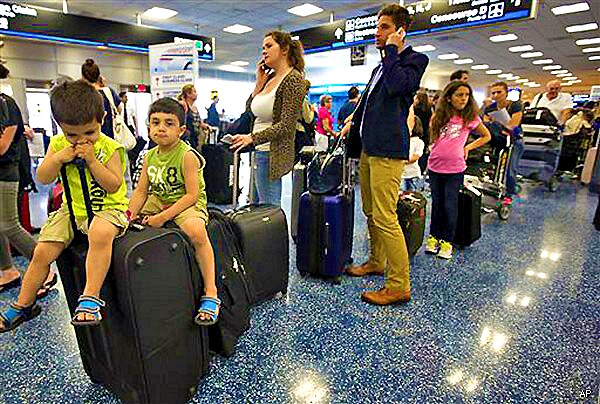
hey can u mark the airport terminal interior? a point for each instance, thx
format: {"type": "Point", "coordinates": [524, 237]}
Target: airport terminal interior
{"type": "Point", "coordinates": [510, 315]}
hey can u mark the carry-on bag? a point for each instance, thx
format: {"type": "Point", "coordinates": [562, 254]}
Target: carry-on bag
{"type": "Point", "coordinates": [234, 288]}
{"type": "Point", "coordinates": [147, 348]}
{"type": "Point", "coordinates": [411, 215]}
{"type": "Point", "coordinates": [588, 165]}
{"type": "Point", "coordinates": [262, 233]}
{"type": "Point", "coordinates": [220, 172]}
{"type": "Point", "coordinates": [468, 226]}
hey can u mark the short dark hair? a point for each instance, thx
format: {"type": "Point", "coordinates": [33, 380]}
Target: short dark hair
{"type": "Point", "coordinates": [457, 75]}
{"type": "Point", "coordinates": [500, 84]}
{"type": "Point", "coordinates": [353, 92]}
{"type": "Point", "coordinates": [400, 16]}
{"type": "Point", "coordinates": [76, 103]}
{"type": "Point", "coordinates": [90, 71]}
{"type": "Point", "coordinates": [168, 106]}
{"type": "Point", "coordinates": [4, 72]}
{"type": "Point", "coordinates": [122, 94]}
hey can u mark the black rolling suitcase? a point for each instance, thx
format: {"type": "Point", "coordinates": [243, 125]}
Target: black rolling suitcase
{"type": "Point", "coordinates": [299, 186]}
{"type": "Point", "coordinates": [147, 348]}
{"type": "Point", "coordinates": [220, 173]}
{"type": "Point", "coordinates": [411, 215]}
{"type": "Point", "coordinates": [263, 236]}
{"type": "Point", "coordinates": [234, 288]}
{"type": "Point", "coordinates": [468, 226]}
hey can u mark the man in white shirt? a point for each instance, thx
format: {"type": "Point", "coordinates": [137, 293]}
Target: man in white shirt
{"type": "Point", "coordinates": [558, 103]}
{"type": "Point", "coordinates": [128, 114]}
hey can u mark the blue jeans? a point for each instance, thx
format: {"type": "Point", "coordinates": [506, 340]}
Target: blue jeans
{"type": "Point", "coordinates": [265, 190]}
{"type": "Point", "coordinates": [411, 184]}
{"type": "Point", "coordinates": [444, 204]}
{"type": "Point", "coordinates": [513, 166]}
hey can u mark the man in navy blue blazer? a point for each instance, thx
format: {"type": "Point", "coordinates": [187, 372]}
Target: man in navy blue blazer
{"type": "Point", "coordinates": [379, 137]}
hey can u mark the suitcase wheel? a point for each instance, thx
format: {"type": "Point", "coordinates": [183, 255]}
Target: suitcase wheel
{"type": "Point", "coordinates": [504, 212]}
{"type": "Point", "coordinates": [337, 280]}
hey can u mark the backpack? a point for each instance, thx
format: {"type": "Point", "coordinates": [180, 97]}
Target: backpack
{"type": "Point", "coordinates": [306, 138]}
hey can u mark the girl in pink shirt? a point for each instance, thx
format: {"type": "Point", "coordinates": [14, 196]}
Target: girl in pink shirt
{"type": "Point", "coordinates": [455, 117]}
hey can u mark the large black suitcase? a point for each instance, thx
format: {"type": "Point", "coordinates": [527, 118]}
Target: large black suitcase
{"type": "Point", "coordinates": [468, 226]}
{"type": "Point", "coordinates": [411, 215]}
{"type": "Point", "coordinates": [147, 349]}
{"type": "Point", "coordinates": [263, 236]}
{"type": "Point", "coordinates": [220, 173]}
{"type": "Point", "coordinates": [235, 291]}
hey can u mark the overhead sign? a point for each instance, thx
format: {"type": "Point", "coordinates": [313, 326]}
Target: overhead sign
{"type": "Point", "coordinates": [28, 22]}
{"type": "Point", "coordinates": [429, 16]}
{"type": "Point", "coordinates": [358, 55]}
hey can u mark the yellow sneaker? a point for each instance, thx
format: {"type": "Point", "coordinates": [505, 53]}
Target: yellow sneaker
{"type": "Point", "coordinates": [432, 245]}
{"type": "Point", "coordinates": [445, 251]}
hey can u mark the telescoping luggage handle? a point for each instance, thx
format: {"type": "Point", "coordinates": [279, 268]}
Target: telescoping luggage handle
{"type": "Point", "coordinates": [80, 164]}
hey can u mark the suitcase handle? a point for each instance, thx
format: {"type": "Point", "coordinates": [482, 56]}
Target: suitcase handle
{"type": "Point", "coordinates": [80, 164]}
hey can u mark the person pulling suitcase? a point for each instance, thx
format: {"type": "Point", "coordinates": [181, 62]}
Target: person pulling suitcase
{"type": "Point", "coordinates": [79, 110]}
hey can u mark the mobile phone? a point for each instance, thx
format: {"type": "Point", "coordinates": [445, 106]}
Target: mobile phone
{"type": "Point", "coordinates": [401, 32]}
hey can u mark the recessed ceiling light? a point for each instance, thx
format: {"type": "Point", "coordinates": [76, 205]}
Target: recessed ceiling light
{"type": "Point", "coordinates": [590, 50]}
{"type": "Point", "coordinates": [598, 69]}
{"type": "Point", "coordinates": [520, 48]}
{"type": "Point", "coordinates": [589, 41]}
{"type": "Point", "coordinates": [230, 68]}
{"type": "Point", "coordinates": [564, 75]}
{"type": "Point", "coordinates": [237, 29]}
{"type": "Point", "coordinates": [521, 81]}
{"type": "Point", "coordinates": [572, 78]}
{"type": "Point", "coordinates": [159, 13]}
{"type": "Point", "coordinates": [514, 77]}
{"type": "Point", "coordinates": [559, 71]}
{"type": "Point", "coordinates": [583, 27]}
{"type": "Point", "coordinates": [542, 61]}
{"type": "Point", "coordinates": [448, 56]}
{"type": "Point", "coordinates": [566, 84]}
{"type": "Point", "coordinates": [505, 75]}
{"type": "Point", "coordinates": [424, 48]}
{"type": "Point", "coordinates": [480, 67]}
{"type": "Point", "coordinates": [530, 55]}
{"type": "Point", "coordinates": [597, 57]}
{"type": "Point", "coordinates": [576, 81]}
{"type": "Point", "coordinates": [504, 38]}
{"type": "Point", "coordinates": [305, 9]}
{"type": "Point", "coordinates": [571, 8]}
{"type": "Point", "coordinates": [552, 67]}
{"type": "Point", "coordinates": [463, 61]}
{"type": "Point", "coordinates": [493, 71]}
{"type": "Point", "coordinates": [239, 63]}
{"type": "Point", "coordinates": [533, 84]}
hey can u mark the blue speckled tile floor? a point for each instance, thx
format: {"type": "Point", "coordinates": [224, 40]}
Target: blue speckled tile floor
{"type": "Point", "coordinates": [513, 319]}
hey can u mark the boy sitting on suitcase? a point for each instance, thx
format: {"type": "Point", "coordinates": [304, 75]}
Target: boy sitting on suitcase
{"type": "Point", "coordinates": [79, 110]}
{"type": "Point", "coordinates": [171, 187]}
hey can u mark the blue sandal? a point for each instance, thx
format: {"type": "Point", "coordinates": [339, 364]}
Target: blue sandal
{"type": "Point", "coordinates": [14, 316]}
{"type": "Point", "coordinates": [210, 306]}
{"type": "Point", "coordinates": [88, 305]}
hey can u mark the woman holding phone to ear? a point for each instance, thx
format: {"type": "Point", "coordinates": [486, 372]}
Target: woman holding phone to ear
{"type": "Point", "coordinates": [276, 102]}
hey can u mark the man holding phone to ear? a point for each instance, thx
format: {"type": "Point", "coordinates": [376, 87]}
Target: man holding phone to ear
{"type": "Point", "coordinates": [379, 136]}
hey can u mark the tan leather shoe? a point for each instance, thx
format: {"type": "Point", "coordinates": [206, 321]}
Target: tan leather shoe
{"type": "Point", "coordinates": [384, 297]}
{"type": "Point", "coordinates": [365, 269]}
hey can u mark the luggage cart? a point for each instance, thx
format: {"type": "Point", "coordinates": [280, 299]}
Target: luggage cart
{"type": "Point", "coordinates": [542, 149]}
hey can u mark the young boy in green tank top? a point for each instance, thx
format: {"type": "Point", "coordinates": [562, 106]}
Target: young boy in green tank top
{"type": "Point", "coordinates": [79, 110]}
{"type": "Point", "coordinates": [171, 187]}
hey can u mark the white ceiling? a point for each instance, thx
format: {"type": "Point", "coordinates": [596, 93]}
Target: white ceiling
{"type": "Point", "coordinates": [546, 33]}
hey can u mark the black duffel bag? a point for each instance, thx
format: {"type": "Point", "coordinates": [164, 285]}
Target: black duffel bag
{"type": "Point", "coordinates": [326, 170]}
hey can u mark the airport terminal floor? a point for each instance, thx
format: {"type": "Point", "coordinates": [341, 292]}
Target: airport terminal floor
{"type": "Point", "coordinates": [514, 318]}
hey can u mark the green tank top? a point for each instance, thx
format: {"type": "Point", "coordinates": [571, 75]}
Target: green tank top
{"type": "Point", "coordinates": [104, 148]}
{"type": "Point", "coordinates": [165, 174]}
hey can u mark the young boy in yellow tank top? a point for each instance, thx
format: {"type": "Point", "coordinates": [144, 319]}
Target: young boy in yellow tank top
{"type": "Point", "coordinates": [171, 187]}
{"type": "Point", "coordinates": [79, 110]}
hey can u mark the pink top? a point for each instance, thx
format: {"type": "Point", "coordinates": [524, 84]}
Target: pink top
{"type": "Point", "coordinates": [324, 113]}
{"type": "Point", "coordinates": [447, 154]}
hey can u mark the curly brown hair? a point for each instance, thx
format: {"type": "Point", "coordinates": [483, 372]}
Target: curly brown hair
{"type": "Point", "coordinates": [444, 109]}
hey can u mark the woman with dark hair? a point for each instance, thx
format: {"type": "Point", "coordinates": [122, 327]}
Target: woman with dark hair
{"type": "Point", "coordinates": [276, 103]}
{"type": "Point", "coordinates": [423, 110]}
{"type": "Point", "coordinates": [91, 73]}
{"type": "Point", "coordinates": [11, 232]}
{"type": "Point", "coordinates": [349, 106]}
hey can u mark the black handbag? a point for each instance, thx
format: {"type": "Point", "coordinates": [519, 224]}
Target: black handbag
{"type": "Point", "coordinates": [326, 170]}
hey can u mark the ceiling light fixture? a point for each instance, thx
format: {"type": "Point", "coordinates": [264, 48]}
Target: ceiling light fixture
{"type": "Point", "coordinates": [571, 8]}
{"type": "Point", "coordinates": [520, 48]}
{"type": "Point", "coordinates": [448, 56]}
{"type": "Point", "coordinates": [594, 58]}
{"type": "Point", "coordinates": [530, 55]}
{"type": "Point", "coordinates": [576, 81]}
{"type": "Point", "coordinates": [493, 71]}
{"type": "Point", "coordinates": [589, 41]}
{"type": "Point", "coordinates": [591, 50]}
{"type": "Point", "coordinates": [159, 13]}
{"type": "Point", "coordinates": [424, 48]}
{"type": "Point", "coordinates": [543, 62]}
{"type": "Point", "coordinates": [237, 29]}
{"type": "Point", "coordinates": [566, 84]}
{"type": "Point", "coordinates": [522, 81]}
{"type": "Point", "coordinates": [463, 61]}
{"type": "Point", "coordinates": [583, 27]}
{"type": "Point", "coordinates": [239, 63]}
{"type": "Point", "coordinates": [559, 71]}
{"type": "Point", "coordinates": [230, 68]}
{"type": "Point", "coordinates": [552, 67]}
{"type": "Point", "coordinates": [571, 78]}
{"type": "Point", "coordinates": [505, 76]}
{"type": "Point", "coordinates": [479, 67]}
{"type": "Point", "coordinates": [564, 75]}
{"type": "Point", "coordinates": [305, 10]}
{"type": "Point", "coordinates": [504, 38]}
